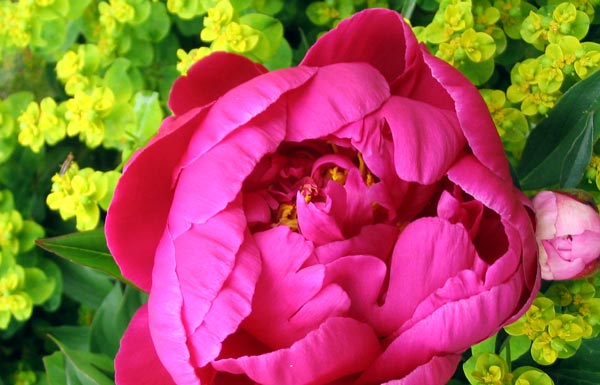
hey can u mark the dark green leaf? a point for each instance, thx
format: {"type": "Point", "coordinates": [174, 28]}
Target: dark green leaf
{"type": "Point", "coordinates": [86, 248]}
{"type": "Point", "coordinates": [560, 147]}
{"type": "Point", "coordinates": [83, 284]}
{"type": "Point", "coordinates": [90, 368]}
{"type": "Point", "coordinates": [112, 318]}
{"type": "Point", "coordinates": [74, 337]}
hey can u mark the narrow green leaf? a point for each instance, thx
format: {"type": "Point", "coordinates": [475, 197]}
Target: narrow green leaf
{"type": "Point", "coordinates": [55, 368]}
{"type": "Point", "coordinates": [83, 284]}
{"type": "Point", "coordinates": [90, 368]}
{"type": "Point", "coordinates": [560, 147]}
{"type": "Point", "coordinates": [86, 248]}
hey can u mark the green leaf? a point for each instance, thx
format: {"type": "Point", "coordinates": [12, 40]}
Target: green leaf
{"type": "Point", "coordinates": [83, 284]}
{"type": "Point", "coordinates": [86, 248]}
{"type": "Point", "coordinates": [149, 116]}
{"type": "Point", "coordinates": [560, 147]}
{"type": "Point", "coordinates": [74, 337]}
{"type": "Point", "coordinates": [55, 368]}
{"type": "Point", "coordinates": [156, 26]}
{"type": "Point", "coordinates": [112, 319]}
{"type": "Point", "coordinates": [90, 368]}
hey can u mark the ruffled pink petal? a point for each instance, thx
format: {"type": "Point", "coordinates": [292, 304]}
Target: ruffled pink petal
{"type": "Point", "coordinates": [319, 222]}
{"type": "Point", "coordinates": [136, 362]}
{"type": "Point", "coordinates": [469, 214]}
{"type": "Point", "coordinates": [142, 199]}
{"type": "Point", "coordinates": [362, 277]}
{"type": "Point", "coordinates": [376, 36]}
{"type": "Point", "coordinates": [473, 116]}
{"type": "Point", "coordinates": [417, 128]}
{"type": "Point", "coordinates": [569, 255]}
{"type": "Point", "coordinates": [290, 300]}
{"type": "Point", "coordinates": [436, 371]}
{"type": "Point", "coordinates": [546, 214]}
{"type": "Point", "coordinates": [204, 270]}
{"type": "Point", "coordinates": [500, 197]}
{"type": "Point", "coordinates": [376, 240]}
{"type": "Point", "coordinates": [418, 83]}
{"type": "Point", "coordinates": [359, 208]}
{"type": "Point", "coordinates": [242, 104]}
{"type": "Point", "coordinates": [575, 217]}
{"type": "Point", "coordinates": [427, 247]}
{"type": "Point", "coordinates": [336, 96]}
{"type": "Point", "coordinates": [447, 330]}
{"type": "Point", "coordinates": [210, 78]}
{"type": "Point", "coordinates": [207, 184]}
{"type": "Point", "coordinates": [372, 137]}
{"type": "Point", "coordinates": [230, 306]}
{"type": "Point", "coordinates": [339, 347]}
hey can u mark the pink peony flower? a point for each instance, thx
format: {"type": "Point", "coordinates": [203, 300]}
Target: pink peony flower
{"type": "Point", "coordinates": [568, 235]}
{"type": "Point", "coordinates": [348, 221]}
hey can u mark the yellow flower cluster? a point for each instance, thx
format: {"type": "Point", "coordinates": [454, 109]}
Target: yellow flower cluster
{"type": "Point", "coordinates": [80, 193]}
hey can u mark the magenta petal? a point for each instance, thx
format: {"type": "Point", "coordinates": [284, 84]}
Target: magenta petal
{"type": "Point", "coordinates": [436, 371]}
{"type": "Point", "coordinates": [231, 305]}
{"type": "Point", "coordinates": [194, 275]}
{"type": "Point", "coordinates": [210, 78]}
{"type": "Point", "coordinates": [333, 98]}
{"type": "Point", "coordinates": [339, 347]}
{"type": "Point", "coordinates": [417, 128]}
{"type": "Point", "coordinates": [569, 255]}
{"type": "Point", "coordinates": [376, 240]}
{"type": "Point", "coordinates": [136, 362]}
{"type": "Point", "coordinates": [214, 179]}
{"type": "Point", "coordinates": [245, 103]}
{"type": "Point", "coordinates": [362, 277]}
{"type": "Point", "coordinates": [428, 247]}
{"type": "Point", "coordinates": [370, 36]}
{"type": "Point", "coordinates": [319, 222]}
{"type": "Point", "coordinates": [141, 203]}
{"type": "Point", "coordinates": [447, 330]}
{"type": "Point", "coordinates": [473, 116]}
{"type": "Point", "coordinates": [290, 300]}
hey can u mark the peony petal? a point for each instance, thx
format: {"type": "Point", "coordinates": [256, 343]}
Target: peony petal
{"type": "Point", "coordinates": [569, 255]}
{"type": "Point", "coordinates": [427, 247]}
{"type": "Point", "coordinates": [210, 78]}
{"type": "Point", "coordinates": [136, 362]}
{"type": "Point", "coordinates": [212, 180]}
{"type": "Point", "coordinates": [436, 371]}
{"type": "Point", "coordinates": [246, 102]}
{"type": "Point", "coordinates": [473, 116]}
{"type": "Point", "coordinates": [339, 347]}
{"type": "Point", "coordinates": [230, 306]}
{"type": "Point", "coordinates": [545, 206]}
{"type": "Point", "coordinates": [334, 97]}
{"type": "Point", "coordinates": [376, 240]}
{"type": "Point", "coordinates": [142, 199]}
{"type": "Point", "coordinates": [418, 129]}
{"type": "Point", "coordinates": [290, 300]}
{"type": "Point", "coordinates": [575, 217]}
{"type": "Point", "coordinates": [449, 329]}
{"type": "Point", "coordinates": [369, 36]}
{"type": "Point", "coordinates": [319, 222]}
{"type": "Point", "coordinates": [362, 277]}
{"type": "Point", "coordinates": [504, 199]}
{"type": "Point", "coordinates": [192, 277]}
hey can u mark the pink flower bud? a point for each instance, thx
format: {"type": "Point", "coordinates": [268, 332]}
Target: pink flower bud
{"type": "Point", "coordinates": [568, 236]}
